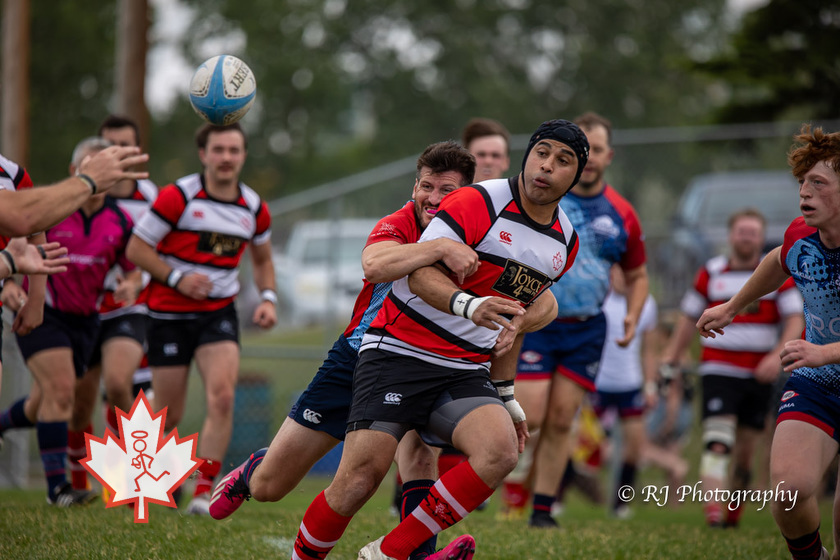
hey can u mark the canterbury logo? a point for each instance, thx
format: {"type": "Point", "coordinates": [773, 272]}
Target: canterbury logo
{"type": "Point", "coordinates": [392, 398]}
{"type": "Point", "coordinates": [311, 416]}
{"type": "Point", "coordinates": [505, 237]}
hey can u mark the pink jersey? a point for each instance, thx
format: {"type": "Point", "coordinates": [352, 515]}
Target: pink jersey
{"type": "Point", "coordinates": [94, 244]}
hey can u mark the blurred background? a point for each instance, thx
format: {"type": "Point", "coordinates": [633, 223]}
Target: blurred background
{"type": "Point", "coordinates": [704, 95]}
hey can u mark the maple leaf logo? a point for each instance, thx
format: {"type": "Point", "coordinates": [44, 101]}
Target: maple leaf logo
{"type": "Point", "coordinates": [138, 467]}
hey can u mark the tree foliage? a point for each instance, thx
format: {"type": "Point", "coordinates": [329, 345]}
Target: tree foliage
{"type": "Point", "coordinates": [71, 77]}
{"type": "Point", "coordinates": [782, 63]}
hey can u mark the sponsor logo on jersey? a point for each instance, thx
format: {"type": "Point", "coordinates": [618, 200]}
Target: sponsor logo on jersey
{"type": "Point", "coordinates": [789, 395]}
{"type": "Point", "coordinates": [787, 405]}
{"type": "Point", "coordinates": [392, 398]}
{"type": "Point", "coordinates": [219, 244]}
{"type": "Point", "coordinates": [520, 281]}
{"type": "Point", "coordinates": [505, 237]}
{"type": "Point", "coordinates": [198, 214]}
{"type": "Point", "coordinates": [311, 416]}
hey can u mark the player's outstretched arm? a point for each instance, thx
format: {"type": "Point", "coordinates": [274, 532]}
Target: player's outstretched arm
{"type": "Point", "coordinates": [29, 211]}
{"type": "Point", "coordinates": [767, 277]}
{"type": "Point", "coordinates": [387, 261]}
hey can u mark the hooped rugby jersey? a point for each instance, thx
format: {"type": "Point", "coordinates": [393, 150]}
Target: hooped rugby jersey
{"type": "Point", "coordinates": [135, 205]}
{"type": "Point", "coordinates": [12, 178]}
{"type": "Point", "coordinates": [196, 233]}
{"type": "Point", "coordinates": [816, 271]}
{"type": "Point", "coordinates": [753, 333]}
{"type": "Point", "coordinates": [610, 232]}
{"type": "Point", "coordinates": [94, 245]}
{"type": "Point", "coordinates": [519, 260]}
{"type": "Point", "coordinates": [403, 227]}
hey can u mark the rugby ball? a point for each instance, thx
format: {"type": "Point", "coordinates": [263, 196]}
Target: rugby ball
{"type": "Point", "coordinates": [222, 89]}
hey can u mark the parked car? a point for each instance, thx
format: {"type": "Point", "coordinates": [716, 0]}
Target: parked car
{"type": "Point", "coordinates": [320, 272]}
{"type": "Point", "coordinates": [699, 228]}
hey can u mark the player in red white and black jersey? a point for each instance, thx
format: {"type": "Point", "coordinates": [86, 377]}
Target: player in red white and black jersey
{"type": "Point", "coordinates": [122, 337]}
{"type": "Point", "coordinates": [191, 242]}
{"type": "Point", "coordinates": [425, 362]}
{"type": "Point", "coordinates": [807, 435]}
{"type": "Point", "coordinates": [738, 371]}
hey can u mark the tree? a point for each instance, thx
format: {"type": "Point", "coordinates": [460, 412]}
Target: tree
{"type": "Point", "coordinates": [782, 63]}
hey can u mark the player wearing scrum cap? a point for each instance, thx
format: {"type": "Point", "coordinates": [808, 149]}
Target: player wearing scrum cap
{"type": "Point", "coordinates": [425, 362]}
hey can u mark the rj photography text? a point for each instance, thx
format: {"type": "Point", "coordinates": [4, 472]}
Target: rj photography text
{"type": "Point", "coordinates": [660, 495]}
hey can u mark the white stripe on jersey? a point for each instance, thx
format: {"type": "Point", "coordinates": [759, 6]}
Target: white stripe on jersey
{"type": "Point", "coordinates": [746, 337]}
{"type": "Point", "coordinates": [8, 183]}
{"type": "Point", "coordinates": [152, 228]}
{"type": "Point", "coordinates": [390, 344]}
{"type": "Point", "coordinates": [225, 280]}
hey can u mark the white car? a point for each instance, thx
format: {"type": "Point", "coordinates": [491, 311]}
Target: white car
{"type": "Point", "coordinates": [321, 269]}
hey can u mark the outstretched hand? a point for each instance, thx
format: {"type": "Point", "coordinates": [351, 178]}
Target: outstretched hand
{"type": "Point", "coordinates": [113, 164]}
{"type": "Point", "coordinates": [49, 258]}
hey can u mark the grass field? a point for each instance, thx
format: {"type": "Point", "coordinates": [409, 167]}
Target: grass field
{"type": "Point", "coordinates": [32, 530]}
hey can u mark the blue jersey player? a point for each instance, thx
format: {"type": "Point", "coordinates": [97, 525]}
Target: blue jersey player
{"type": "Point", "coordinates": [807, 435]}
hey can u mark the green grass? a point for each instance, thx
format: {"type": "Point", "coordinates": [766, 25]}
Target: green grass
{"type": "Point", "coordinates": [30, 529]}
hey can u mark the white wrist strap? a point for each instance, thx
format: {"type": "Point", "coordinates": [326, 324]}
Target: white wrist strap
{"type": "Point", "coordinates": [464, 305]}
{"type": "Point", "coordinates": [505, 390]}
{"type": "Point", "coordinates": [269, 295]}
{"type": "Point", "coordinates": [173, 278]}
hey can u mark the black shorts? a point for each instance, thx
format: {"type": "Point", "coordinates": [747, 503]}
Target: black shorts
{"type": "Point", "coordinates": [130, 325]}
{"type": "Point", "coordinates": [63, 330]}
{"type": "Point", "coordinates": [747, 399]}
{"type": "Point", "coordinates": [172, 342]}
{"type": "Point", "coordinates": [393, 390]}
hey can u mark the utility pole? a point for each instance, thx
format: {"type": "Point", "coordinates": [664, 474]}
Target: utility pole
{"type": "Point", "coordinates": [14, 110]}
{"type": "Point", "coordinates": [130, 71]}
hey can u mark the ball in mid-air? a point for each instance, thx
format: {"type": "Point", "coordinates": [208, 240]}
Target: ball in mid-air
{"type": "Point", "coordinates": [222, 89]}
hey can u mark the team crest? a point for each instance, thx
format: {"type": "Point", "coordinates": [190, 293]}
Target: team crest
{"type": "Point", "coordinates": [789, 395]}
{"type": "Point", "coordinates": [557, 261]}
